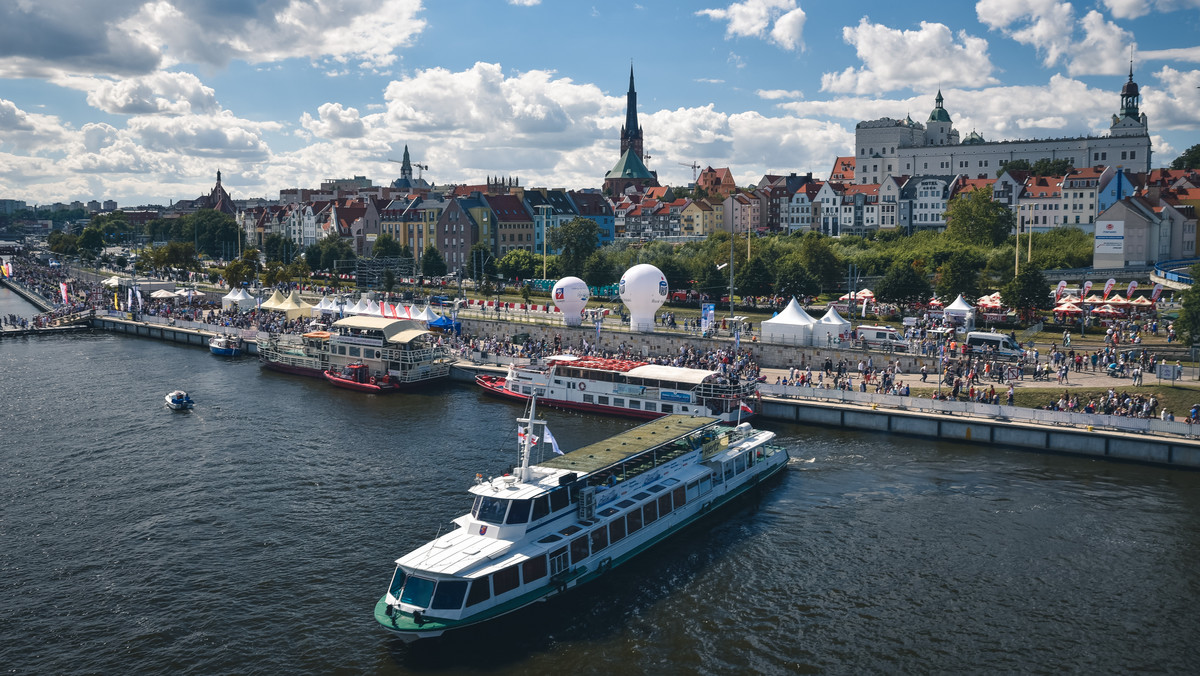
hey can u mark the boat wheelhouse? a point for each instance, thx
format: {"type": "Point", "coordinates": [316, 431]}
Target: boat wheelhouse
{"type": "Point", "coordinates": [568, 520]}
{"type": "Point", "coordinates": [401, 349]}
{"type": "Point", "coordinates": [627, 388]}
{"type": "Point", "coordinates": [226, 345]}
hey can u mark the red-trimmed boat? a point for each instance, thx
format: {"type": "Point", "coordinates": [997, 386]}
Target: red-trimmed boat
{"type": "Point", "coordinates": [358, 377]}
{"type": "Point", "coordinates": [627, 388]}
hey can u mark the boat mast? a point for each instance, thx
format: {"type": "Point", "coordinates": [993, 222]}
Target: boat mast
{"type": "Point", "coordinates": [524, 473]}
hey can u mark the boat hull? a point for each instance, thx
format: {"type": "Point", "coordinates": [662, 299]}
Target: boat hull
{"type": "Point", "coordinates": [356, 386]}
{"type": "Point", "coordinates": [408, 630]}
{"type": "Point", "coordinates": [225, 351]}
{"type": "Point", "coordinates": [289, 368]}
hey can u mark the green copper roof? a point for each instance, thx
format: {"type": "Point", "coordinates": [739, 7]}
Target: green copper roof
{"type": "Point", "coordinates": [629, 166]}
{"type": "Point", "coordinates": [939, 114]}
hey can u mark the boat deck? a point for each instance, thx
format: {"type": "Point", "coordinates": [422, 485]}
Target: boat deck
{"type": "Point", "coordinates": [620, 447]}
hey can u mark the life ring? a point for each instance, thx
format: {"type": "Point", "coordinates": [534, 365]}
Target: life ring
{"type": "Point", "coordinates": [583, 386]}
{"type": "Point", "coordinates": [372, 380]}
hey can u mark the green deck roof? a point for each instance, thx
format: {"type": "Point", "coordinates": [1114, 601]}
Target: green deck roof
{"type": "Point", "coordinates": [627, 444]}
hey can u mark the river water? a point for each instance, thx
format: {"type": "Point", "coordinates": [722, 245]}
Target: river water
{"type": "Point", "coordinates": [255, 534]}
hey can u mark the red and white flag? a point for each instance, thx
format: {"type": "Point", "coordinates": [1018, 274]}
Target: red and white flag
{"type": "Point", "coordinates": [1087, 287]}
{"type": "Point", "coordinates": [745, 407]}
{"type": "Point", "coordinates": [63, 287]}
{"type": "Point", "coordinates": [1156, 293]}
{"type": "Point", "coordinates": [1062, 285]}
{"type": "Point", "coordinates": [1108, 287]}
{"type": "Point", "coordinates": [1130, 290]}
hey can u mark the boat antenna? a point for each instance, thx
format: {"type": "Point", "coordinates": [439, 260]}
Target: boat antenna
{"type": "Point", "coordinates": [524, 473]}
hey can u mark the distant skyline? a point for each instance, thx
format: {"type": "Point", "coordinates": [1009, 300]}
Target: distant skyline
{"type": "Point", "coordinates": [143, 102]}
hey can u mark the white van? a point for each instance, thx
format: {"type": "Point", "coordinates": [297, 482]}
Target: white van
{"type": "Point", "coordinates": [884, 337]}
{"type": "Point", "coordinates": [994, 343]}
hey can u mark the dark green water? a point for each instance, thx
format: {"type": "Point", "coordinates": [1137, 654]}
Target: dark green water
{"type": "Point", "coordinates": [255, 534]}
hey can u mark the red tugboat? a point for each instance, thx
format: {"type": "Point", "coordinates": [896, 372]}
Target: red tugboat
{"type": "Point", "coordinates": [358, 377]}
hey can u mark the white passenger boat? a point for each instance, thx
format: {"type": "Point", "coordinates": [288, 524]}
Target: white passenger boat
{"type": "Point", "coordinates": [179, 400]}
{"type": "Point", "coordinates": [628, 388]}
{"type": "Point", "coordinates": [567, 520]}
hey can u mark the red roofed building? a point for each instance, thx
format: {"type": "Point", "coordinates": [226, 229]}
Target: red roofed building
{"type": "Point", "coordinates": [716, 182]}
{"type": "Point", "coordinates": [843, 169]}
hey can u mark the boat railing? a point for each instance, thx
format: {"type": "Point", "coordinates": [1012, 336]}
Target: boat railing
{"type": "Point", "coordinates": [728, 390]}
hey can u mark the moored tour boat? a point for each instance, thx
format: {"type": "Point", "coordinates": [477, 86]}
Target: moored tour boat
{"type": "Point", "coordinates": [179, 400]}
{"type": "Point", "coordinates": [358, 377]}
{"type": "Point", "coordinates": [624, 387]}
{"type": "Point", "coordinates": [568, 520]}
{"type": "Point", "coordinates": [226, 346]}
{"type": "Point", "coordinates": [303, 355]}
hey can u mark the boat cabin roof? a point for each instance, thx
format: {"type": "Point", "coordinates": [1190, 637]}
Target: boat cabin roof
{"type": "Point", "coordinates": [393, 330]}
{"type": "Point", "coordinates": [676, 374]}
{"type": "Point", "coordinates": [629, 443]}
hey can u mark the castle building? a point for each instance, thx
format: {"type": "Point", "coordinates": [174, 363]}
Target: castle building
{"type": "Point", "coordinates": [886, 146]}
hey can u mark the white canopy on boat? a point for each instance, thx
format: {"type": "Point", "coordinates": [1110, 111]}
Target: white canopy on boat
{"type": "Point", "coordinates": [676, 374]}
{"type": "Point", "coordinates": [793, 326]}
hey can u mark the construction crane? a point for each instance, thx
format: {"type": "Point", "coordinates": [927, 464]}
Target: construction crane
{"type": "Point", "coordinates": [421, 168]}
{"type": "Point", "coordinates": [695, 168]}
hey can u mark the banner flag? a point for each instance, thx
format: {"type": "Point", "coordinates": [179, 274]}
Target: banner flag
{"type": "Point", "coordinates": [1108, 287]}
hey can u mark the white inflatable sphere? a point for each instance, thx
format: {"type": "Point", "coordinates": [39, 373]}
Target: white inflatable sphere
{"type": "Point", "coordinates": [570, 296]}
{"type": "Point", "coordinates": [643, 290]}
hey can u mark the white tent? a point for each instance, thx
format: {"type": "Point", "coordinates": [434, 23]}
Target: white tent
{"type": "Point", "coordinates": [231, 299]}
{"type": "Point", "coordinates": [245, 301]}
{"type": "Point", "coordinates": [274, 301]}
{"type": "Point", "coordinates": [424, 315]}
{"type": "Point", "coordinates": [360, 308]}
{"type": "Point", "coordinates": [163, 293]}
{"type": "Point", "coordinates": [792, 326]}
{"type": "Point", "coordinates": [326, 305]}
{"type": "Point", "coordinates": [832, 327]}
{"type": "Point", "coordinates": [373, 309]}
{"type": "Point", "coordinates": [960, 312]}
{"type": "Point", "coordinates": [293, 306]}
{"type": "Point", "coordinates": [112, 281]}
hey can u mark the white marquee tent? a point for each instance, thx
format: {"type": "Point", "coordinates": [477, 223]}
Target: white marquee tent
{"type": "Point", "coordinates": [960, 312]}
{"type": "Point", "coordinates": [830, 328]}
{"type": "Point", "coordinates": [792, 326]}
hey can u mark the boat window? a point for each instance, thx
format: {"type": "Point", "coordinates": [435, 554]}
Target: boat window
{"type": "Point", "coordinates": [491, 510]}
{"type": "Point", "coordinates": [667, 408]}
{"type": "Point", "coordinates": [679, 497]}
{"type": "Point", "coordinates": [418, 591]}
{"type": "Point", "coordinates": [475, 507]}
{"type": "Point", "coordinates": [579, 549]}
{"type": "Point", "coordinates": [526, 390]}
{"type": "Point", "coordinates": [705, 485]}
{"type": "Point", "coordinates": [619, 402]}
{"type": "Point", "coordinates": [480, 591]}
{"type": "Point", "coordinates": [449, 595]}
{"type": "Point", "coordinates": [670, 482]}
{"type": "Point", "coordinates": [602, 400]}
{"type": "Point", "coordinates": [534, 569]}
{"type": "Point", "coordinates": [518, 512]}
{"type": "Point", "coordinates": [397, 581]}
{"type": "Point", "coordinates": [541, 391]}
{"type": "Point", "coordinates": [650, 406]}
{"type": "Point", "coordinates": [657, 488]}
{"type": "Point", "coordinates": [728, 469]}
{"type": "Point", "coordinates": [717, 479]}
{"type": "Point", "coordinates": [599, 539]}
{"type": "Point", "coordinates": [634, 520]}
{"type": "Point", "coordinates": [635, 404]}
{"type": "Point", "coordinates": [650, 512]}
{"type": "Point", "coordinates": [684, 409]}
{"type": "Point", "coordinates": [558, 560]}
{"type": "Point", "coordinates": [506, 579]}
{"type": "Point", "coordinates": [641, 496]}
{"type": "Point", "coordinates": [588, 399]}
{"type": "Point", "coordinates": [549, 538]}
{"type": "Point", "coordinates": [559, 499]}
{"type": "Point", "coordinates": [740, 461]}
{"type": "Point", "coordinates": [541, 507]}
{"type": "Point", "coordinates": [664, 504]}
{"type": "Point", "coordinates": [625, 503]}
{"type": "Point", "coordinates": [570, 530]}
{"type": "Point", "coordinates": [616, 530]}
{"type": "Point", "coordinates": [355, 352]}
{"type": "Point", "coordinates": [608, 511]}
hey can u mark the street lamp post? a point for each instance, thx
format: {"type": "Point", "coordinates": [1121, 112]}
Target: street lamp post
{"type": "Point", "coordinates": [545, 236]}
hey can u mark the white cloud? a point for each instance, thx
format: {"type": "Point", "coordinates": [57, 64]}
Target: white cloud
{"type": "Point", "coordinates": [162, 92]}
{"type": "Point", "coordinates": [27, 131]}
{"type": "Point", "coordinates": [1173, 104]}
{"type": "Point", "coordinates": [1132, 9]}
{"type": "Point", "coordinates": [778, 21]}
{"type": "Point", "coordinates": [334, 121]}
{"type": "Point", "coordinates": [525, 3]}
{"type": "Point", "coordinates": [1050, 26]}
{"type": "Point", "coordinates": [776, 94]}
{"type": "Point", "coordinates": [137, 37]}
{"type": "Point", "coordinates": [897, 59]}
{"type": "Point", "coordinates": [1190, 54]}
{"type": "Point", "coordinates": [1104, 49]}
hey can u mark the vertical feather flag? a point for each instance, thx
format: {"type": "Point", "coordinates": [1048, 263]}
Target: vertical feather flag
{"type": "Point", "coordinates": [62, 286]}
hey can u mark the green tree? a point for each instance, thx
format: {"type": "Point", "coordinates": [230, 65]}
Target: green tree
{"type": "Point", "coordinates": [793, 279]}
{"type": "Point", "coordinates": [480, 262]}
{"type": "Point", "coordinates": [1028, 291]}
{"type": "Point", "coordinates": [574, 241]}
{"type": "Point", "coordinates": [273, 247]}
{"type": "Point", "coordinates": [959, 274]}
{"type": "Point", "coordinates": [598, 270]}
{"type": "Point", "coordinates": [903, 285]}
{"type": "Point", "coordinates": [1189, 159]}
{"type": "Point", "coordinates": [754, 279]}
{"type": "Point", "coordinates": [713, 282]}
{"type": "Point", "coordinates": [237, 272]}
{"type": "Point", "coordinates": [677, 274]}
{"type": "Point", "coordinates": [385, 246]}
{"type": "Point", "coordinates": [273, 274]}
{"type": "Point", "coordinates": [389, 280]}
{"type": "Point", "coordinates": [520, 264]}
{"type": "Point", "coordinates": [91, 241]}
{"type": "Point", "coordinates": [974, 218]}
{"type": "Point", "coordinates": [432, 263]}
{"type": "Point", "coordinates": [817, 256]}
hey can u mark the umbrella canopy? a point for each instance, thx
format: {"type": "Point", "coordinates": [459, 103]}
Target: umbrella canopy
{"type": "Point", "coordinates": [1117, 299]}
{"type": "Point", "coordinates": [190, 293]}
{"type": "Point", "coordinates": [1094, 299]}
{"type": "Point", "coordinates": [1106, 311]}
{"type": "Point", "coordinates": [933, 302]}
{"type": "Point", "coordinates": [163, 293]}
{"type": "Point", "coordinates": [112, 281]}
{"type": "Point", "coordinates": [1141, 301]}
{"type": "Point", "coordinates": [1068, 309]}
{"type": "Point", "coordinates": [1068, 299]}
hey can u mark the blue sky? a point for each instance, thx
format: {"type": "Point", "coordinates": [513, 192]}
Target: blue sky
{"type": "Point", "coordinates": [142, 102]}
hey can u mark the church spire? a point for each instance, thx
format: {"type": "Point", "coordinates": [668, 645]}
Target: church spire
{"type": "Point", "coordinates": [406, 165]}
{"type": "Point", "coordinates": [631, 133]}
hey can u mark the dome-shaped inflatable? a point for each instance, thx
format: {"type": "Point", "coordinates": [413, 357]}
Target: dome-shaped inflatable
{"type": "Point", "coordinates": [570, 297]}
{"type": "Point", "coordinates": [643, 290]}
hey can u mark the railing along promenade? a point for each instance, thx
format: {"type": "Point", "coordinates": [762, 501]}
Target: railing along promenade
{"type": "Point", "coordinates": [991, 412]}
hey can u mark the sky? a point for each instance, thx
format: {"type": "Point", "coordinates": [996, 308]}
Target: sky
{"type": "Point", "coordinates": [142, 102]}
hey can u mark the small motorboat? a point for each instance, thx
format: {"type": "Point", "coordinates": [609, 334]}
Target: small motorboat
{"type": "Point", "coordinates": [358, 377]}
{"type": "Point", "coordinates": [179, 401]}
{"type": "Point", "coordinates": [225, 346]}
